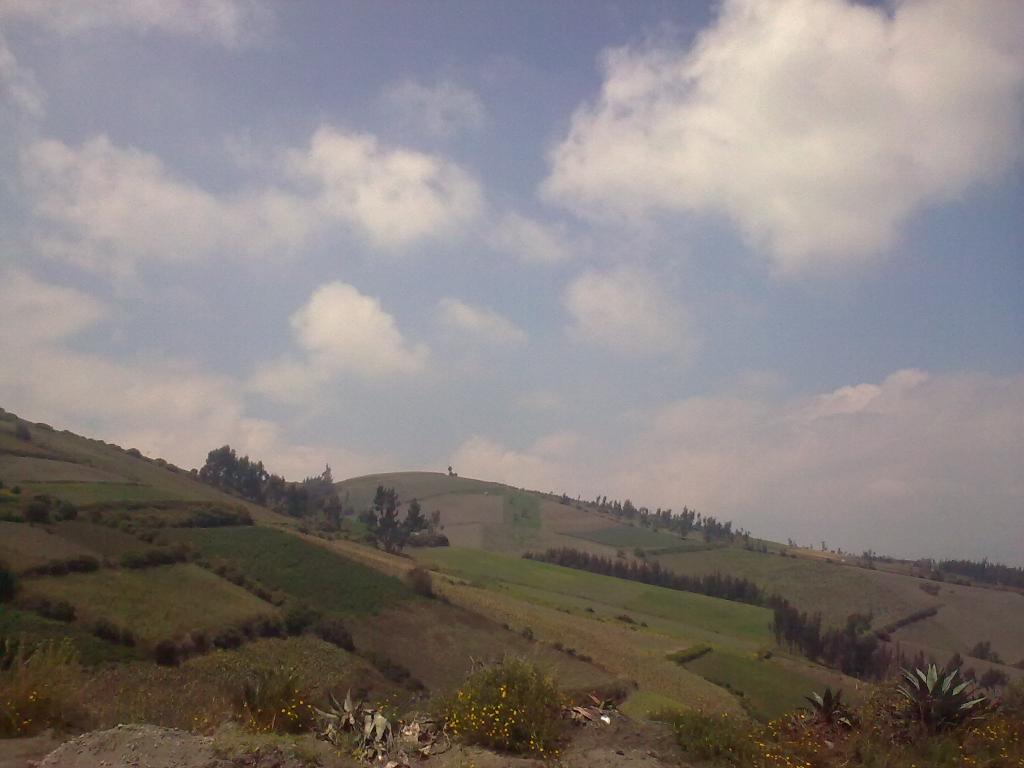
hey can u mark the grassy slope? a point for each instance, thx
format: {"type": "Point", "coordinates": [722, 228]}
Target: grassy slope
{"type": "Point", "coordinates": [284, 562]}
{"type": "Point", "coordinates": [35, 629]}
{"type": "Point", "coordinates": [966, 614]}
{"type": "Point", "coordinates": [705, 613]}
{"type": "Point", "coordinates": [629, 536]}
{"type": "Point", "coordinates": [155, 603]}
{"type": "Point", "coordinates": [24, 546]}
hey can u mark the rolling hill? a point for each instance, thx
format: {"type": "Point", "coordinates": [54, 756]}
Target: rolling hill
{"type": "Point", "coordinates": [160, 582]}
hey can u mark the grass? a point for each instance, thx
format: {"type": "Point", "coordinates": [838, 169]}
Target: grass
{"type": "Point", "coordinates": [359, 491]}
{"type": "Point", "coordinates": [968, 614]}
{"type": "Point", "coordinates": [765, 689]}
{"type": "Point", "coordinates": [97, 493]}
{"type": "Point", "coordinates": [281, 561]}
{"type": "Point", "coordinates": [629, 537]}
{"type": "Point", "coordinates": [34, 629]}
{"type": "Point", "coordinates": [24, 546]}
{"type": "Point", "coordinates": [207, 688]}
{"type": "Point", "coordinates": [99, 540]}
{"type": "Point", "coordinates": [155, 603]}
{"type": "Point", "coordinates": [717, 616]}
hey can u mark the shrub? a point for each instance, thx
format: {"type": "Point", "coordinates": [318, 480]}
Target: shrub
{"type": "Point", "coordinates": [299, 617]}
{"type": "Point", "coordinates": [689, 654]}
{"type": "Point", "coordinates": [166, 653]}
{"type": "Point", "coordinates": [420, 581]}
{"type": "Point", "coordinates": [228, 639]}
{"type": "Point", "coordinates": [717, 739]}
{"type": "Point", "coordinates": [67, 511]}
{"type": "Point", "coordinates": [37, 511]}
{"type": "Point", "coordinates": [36, 688]}
{"type": "Point", "coordinates": [8, 583]}
{"type": "Point", "coordinates": [511, 706]}
{"type": "Point", "coordinates": [993, 678]}
{"type": "Point", "coordinates": [59, 610]}
{"type": "Point", "coordinates": [21, 432]}
{"type": "Point", "coordinates": [333, 631]}
{"type": "Point", "coordinates": [272, 703]}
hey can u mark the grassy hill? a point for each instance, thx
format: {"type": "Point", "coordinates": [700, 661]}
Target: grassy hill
{"type": "Point", "coordinates": [136, 562]}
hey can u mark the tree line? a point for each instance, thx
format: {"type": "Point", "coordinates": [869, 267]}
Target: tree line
{"type": "Point", "coordinates": [248, 478]}
{"type": "Point", "coordinates": [985, 572]}
{"type": "Point", "coordinates": [680, 523]}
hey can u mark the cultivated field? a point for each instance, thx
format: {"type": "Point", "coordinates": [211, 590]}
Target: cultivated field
{"type": "Point", "coordinates": [155, 603]}
{"type": "Point", "coordinates": [281, 561]}
{"type": "Point", "coordinates": [966, 615]}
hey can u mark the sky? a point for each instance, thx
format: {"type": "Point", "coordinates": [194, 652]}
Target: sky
{"type": "Point", "coordinates": [764, 258]}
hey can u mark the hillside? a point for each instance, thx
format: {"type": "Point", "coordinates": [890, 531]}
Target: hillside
{"type": "Point", "coordinates": [159, 582]}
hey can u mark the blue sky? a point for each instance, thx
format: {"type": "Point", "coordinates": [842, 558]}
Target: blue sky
{"type": "Point", "coordinates": [760, 257]}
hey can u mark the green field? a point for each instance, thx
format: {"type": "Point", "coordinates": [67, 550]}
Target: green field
{"type": "Point", "coordinates": [155, 603]}
{"type": "Point", "coordinates": [709, 614]}
{"type": "Point", "coordinates": [281, 561]}
{"type": "Point", "coordinates": [629, 536]}
{"type": "Point", "coordinates": [97, 493]}
{"type": "Point", "coordinates": [24, 546]}
{"type": "Point", "coordinates": [765, 689]}
{"type": "Point", "coordinates": [33, 629]}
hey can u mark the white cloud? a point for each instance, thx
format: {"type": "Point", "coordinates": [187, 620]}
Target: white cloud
{"type": "Point", "coordinates": [916, 465]}
{"type": "Point", "coordinates": [486, 459]}
{"type": "Point", "coordinates": [818, 126]}
{"type": "Point", "coordinates": [443, 109]}
{"type": "Point", "coordinates": [480, 322]}
{"type": "Point", "coordinates": [228, 22]}
{"type": "Point", "coordinates": [107, 208]}
{"type": "Point", "coordinates": [529, 240]}
{"type": "Point", "coordinates": [33, 312]}
{"type": "Point", "coordinates": [392, 196]}
{"type": "Point", "coordinates": [626, 311]}
{"type": "Point", "coordinates": [166, 408]}
{"type": "Point", "coordinates": [340, 330]}
{"type": "Point", "coordinates": [18, 86]}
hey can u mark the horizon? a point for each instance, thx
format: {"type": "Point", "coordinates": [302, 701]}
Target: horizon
{"type": "Point", "coordinates": [762, 259]}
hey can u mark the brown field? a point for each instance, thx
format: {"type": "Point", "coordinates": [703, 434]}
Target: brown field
{"type": "Point", "coordinates": [439, 642]}
{"type": "Point", "coordinates": [24, 546]}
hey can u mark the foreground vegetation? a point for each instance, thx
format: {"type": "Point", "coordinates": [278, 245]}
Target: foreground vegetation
{"type": "Point", "coordinates": [886, 731]}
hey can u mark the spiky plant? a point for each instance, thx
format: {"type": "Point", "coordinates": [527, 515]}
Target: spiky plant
{"type": "Point", "coordinates": [939, 702]}
{"type": "Point", "coordinates": [828, 708]}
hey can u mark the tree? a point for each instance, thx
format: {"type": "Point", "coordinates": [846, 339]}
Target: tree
{"type": "Point", "coordinates": [385, 526]}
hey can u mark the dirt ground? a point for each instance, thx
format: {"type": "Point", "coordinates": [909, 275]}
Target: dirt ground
{"type": "Point", "coordinates": [624, 743]}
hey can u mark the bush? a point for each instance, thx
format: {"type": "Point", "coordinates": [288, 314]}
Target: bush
{"type": "Point", "coordinates": [272, 703]}
{"type": "Point", "coordinates": [689, 654]}
{"type": "Point", "coordinates": [59, 610]}
{"type": "Point", "coordinates": [36, 687]}
{"type": "Point", "coordinates": [510, 706]}
{"type": "Point", "coordinates": [299, 617]}
{"type": "Point", "coordinates": [166, 653]}
{"type": "Point", "coordinates": [335, 633]}
{"type": "Point", "coordinates": [37, 511]}
{"type": "Point", "coordinates": [420, 581]}
{"type": "Point", "coordinates": [716, 739]}
{"type": "Point", "coordinates": [8, 583]}
{"type": "Point", "coordinates": [22, 433]}
{"type": "Point", "coordinates": [67, 511]}
{"type": "Point", "coordinates": [107, 630]}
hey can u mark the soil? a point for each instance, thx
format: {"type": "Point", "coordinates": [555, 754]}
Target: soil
{"type": "Point", "coordinates": [622, 744]}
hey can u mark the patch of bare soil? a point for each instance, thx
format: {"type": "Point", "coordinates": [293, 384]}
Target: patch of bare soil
{"type": "Point", "coordinates": [151, 746]}
{"type": "Point", "coordinates": [624, 743]}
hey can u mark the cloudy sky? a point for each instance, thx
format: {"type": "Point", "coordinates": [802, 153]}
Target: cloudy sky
{"type": "Point", "coordinates": [761, 257]}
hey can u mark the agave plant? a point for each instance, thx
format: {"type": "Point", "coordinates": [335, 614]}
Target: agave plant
{"type": "Point", "coordinates": [939, 702]}
{"type": "Point", "coordinates": [828, 708]}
